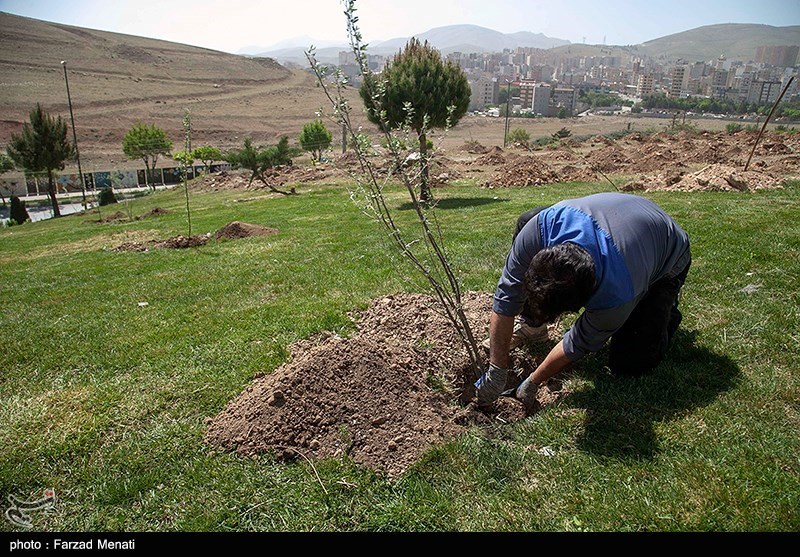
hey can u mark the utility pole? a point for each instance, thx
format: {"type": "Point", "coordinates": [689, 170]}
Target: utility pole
{"type": "Point", "coordinates": [508, 109]}
{"type": "Point", "coordinates": [74, 135]}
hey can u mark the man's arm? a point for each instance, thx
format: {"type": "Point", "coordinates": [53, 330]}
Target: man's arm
{"type": "Point", "coordinates": [555, 362]}
{"type": "Point", "coordinates": [501, 327]}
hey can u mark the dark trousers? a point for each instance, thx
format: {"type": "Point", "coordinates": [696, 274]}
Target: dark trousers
{"type": "Point", "coordinates": [641, 343]}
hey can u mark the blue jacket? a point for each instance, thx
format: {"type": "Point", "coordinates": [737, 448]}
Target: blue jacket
{"type": "Point", "coordinates": [633, 244]}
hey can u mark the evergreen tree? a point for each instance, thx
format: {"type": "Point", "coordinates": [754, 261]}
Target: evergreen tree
{"type": "Point", "coordinates": [19, 213]}
{"type": "Point", "coordinates": [315, 138]}
{"type": "Point", "coordinates": [258, 160]}
{"type": "Point", "coordinates": [417, 78]}
{"type": "Point", "coordinates": [43, 147]}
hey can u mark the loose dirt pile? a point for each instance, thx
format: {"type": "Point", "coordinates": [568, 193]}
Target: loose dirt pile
{"type": "Point", "coordinates": [383, 396]}
{"type": "Point", "coordinates": [608, 159]}
{"type": "Point", "coordinates": [494, 156]}
{"type": "Point", "coordinates": [156, 212]}
{"type": "Point", "coordinates": [176, 242]}
{"type": "Point", "coordinates": [715, 177]}
{"type": "Point", "coordinates": [231, 231]}
{"type": "Point", "coordinates": [473, 147]}
{"type": "Point", "coordinates": [116, 217]}
{"type": "Point", "coordinates": [236, 230]}
{"type": "Point", "coordinates": [522, 172]}
{"type": "Point", "coordinates": [720, 177]}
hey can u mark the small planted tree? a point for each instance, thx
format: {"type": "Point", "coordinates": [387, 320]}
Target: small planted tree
{"type": "Point", "coordinates": [106, 196]}
{"type": "Point", "coordinates": [423, 245]}
{"type": "Point", "coordinates": [207, 155]}
{"type": "Point", "coordinates": [19, 213]}
{"type": "Point", "coordinates": [315, 138]}
{"type": "Point", "coordinates": [563, 133]}
{"type": "Point", "coordinates": [520, 135]}
{"type": "Point", "coordinates": [146, 142]}
{"type": "Point", "coordinates": [43, 147]}
{"type": "Point", "coordinates": [417, 89]}
{"type": "Point", "coordinates": [260, 160]}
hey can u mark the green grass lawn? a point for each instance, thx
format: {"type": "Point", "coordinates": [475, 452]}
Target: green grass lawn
{"type": "Point", "coordinates": [105, 400]}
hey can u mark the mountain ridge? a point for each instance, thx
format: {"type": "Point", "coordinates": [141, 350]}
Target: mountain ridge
{"type": "Point", "coordinates": [734, 40]}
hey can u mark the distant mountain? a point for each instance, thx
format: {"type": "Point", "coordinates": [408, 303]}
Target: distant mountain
{"type": "Point", "coordinates": [451, 38]}
{"type": "Point", "coordinates": [294, 43]}
{"type": "Point", "coordinates": [734, 40]}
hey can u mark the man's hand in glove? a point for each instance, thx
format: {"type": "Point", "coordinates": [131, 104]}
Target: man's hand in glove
{"type": "Point", "coordinates": [491, 384]}
{"type": "Point", "coordinates": [526, 393]}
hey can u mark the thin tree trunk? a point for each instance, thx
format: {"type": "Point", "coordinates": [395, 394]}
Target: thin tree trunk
{"type": "Point", "coordinates": [51, 191]}
{"type": "Point", "coordinates": [424, 185]}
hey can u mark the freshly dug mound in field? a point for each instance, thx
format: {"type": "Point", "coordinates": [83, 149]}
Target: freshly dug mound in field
{"type": "Point", "coordinates": [714, 177]}
{"type": "Point", "coordinates": [236, 230]}
{"type": "Point", "coordinates": [231, 231]}
{"type": "Point", "coordinates": [522, 172]}
{"type": "Point", "coordinates": [156, 212]}
{"type": "Point", "coordinates": [383, 396]}
{"type": "Point", "coordinates": [176, 242]}
{"type": "Point", "coordinates": [720, 177]}
{"type": "Point", "coordinates": [118, 216]}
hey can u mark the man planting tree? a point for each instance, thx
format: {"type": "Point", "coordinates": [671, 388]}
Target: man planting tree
{"type": "Point", "coordinates": [618, 256]}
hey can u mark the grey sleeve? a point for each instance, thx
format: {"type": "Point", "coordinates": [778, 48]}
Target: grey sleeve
{"type": "Point", "coordinates": [593, 328]}
{"type": "Point", "coordinates": [509, 297]}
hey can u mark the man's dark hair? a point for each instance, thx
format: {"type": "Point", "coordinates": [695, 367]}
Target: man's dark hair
{"type": "Point", "coordinates": [560, 278]}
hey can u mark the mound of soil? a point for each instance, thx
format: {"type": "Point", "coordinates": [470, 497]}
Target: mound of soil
{"type": "Point", "coordinates": [652, 158]}
{"type": "Point", "coordinates": [383, 396]}
{"type": "Point", "coordinates": [473, 147]}
{"type": "Point", "coordinates": [156, 212]}
{"type": "Point", "coordinates": [572, 173]}
{"type": "Point", "coordinates": [559, 155]}
{"type": "Point", "coordinates": [608, 159]}
{"type": "Point", "coordinates": [176, 242]}
{"type": "Point", "coordinates": [116, 217]}
{"type": "Point", "coordinates": [236, 230]}
{"type": "Point", "coordinates": [653, 182]}
{"type": "Point", "coordinates": [720, 177]}
{"type": "Point", "coordinates": [494, 156]}
{"type": "Point", "coordinates": [522, 172]}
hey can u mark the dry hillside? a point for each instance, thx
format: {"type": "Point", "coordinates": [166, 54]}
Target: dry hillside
{"type": "Point", "coordinates": [116, 80]}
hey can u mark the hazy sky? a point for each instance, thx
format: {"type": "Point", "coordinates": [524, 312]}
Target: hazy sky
{"type": "Point", "coordinates": [229, 25]}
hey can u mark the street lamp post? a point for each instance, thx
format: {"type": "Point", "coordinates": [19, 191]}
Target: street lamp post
{"type": "Point", "coordinates": [508, 107]}
{"type": "Point", "coordinates": [74, 135]}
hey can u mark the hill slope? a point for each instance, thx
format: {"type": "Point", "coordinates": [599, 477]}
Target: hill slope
{"type": "Point", "coordinates": [116, 80]}
{"type": "Point", "coordinates": [734, 40]}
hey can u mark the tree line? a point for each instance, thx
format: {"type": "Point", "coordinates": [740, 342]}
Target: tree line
{"type": "Point", "coordinates": [788, 109]}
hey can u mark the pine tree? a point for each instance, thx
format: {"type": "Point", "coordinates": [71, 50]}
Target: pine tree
{"type": "Point", "coordinates": [436, 91]}
{"type": "Point", "coordinates": [43, 147]}
{"type": "Point", "coordinates": [315, 138]}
